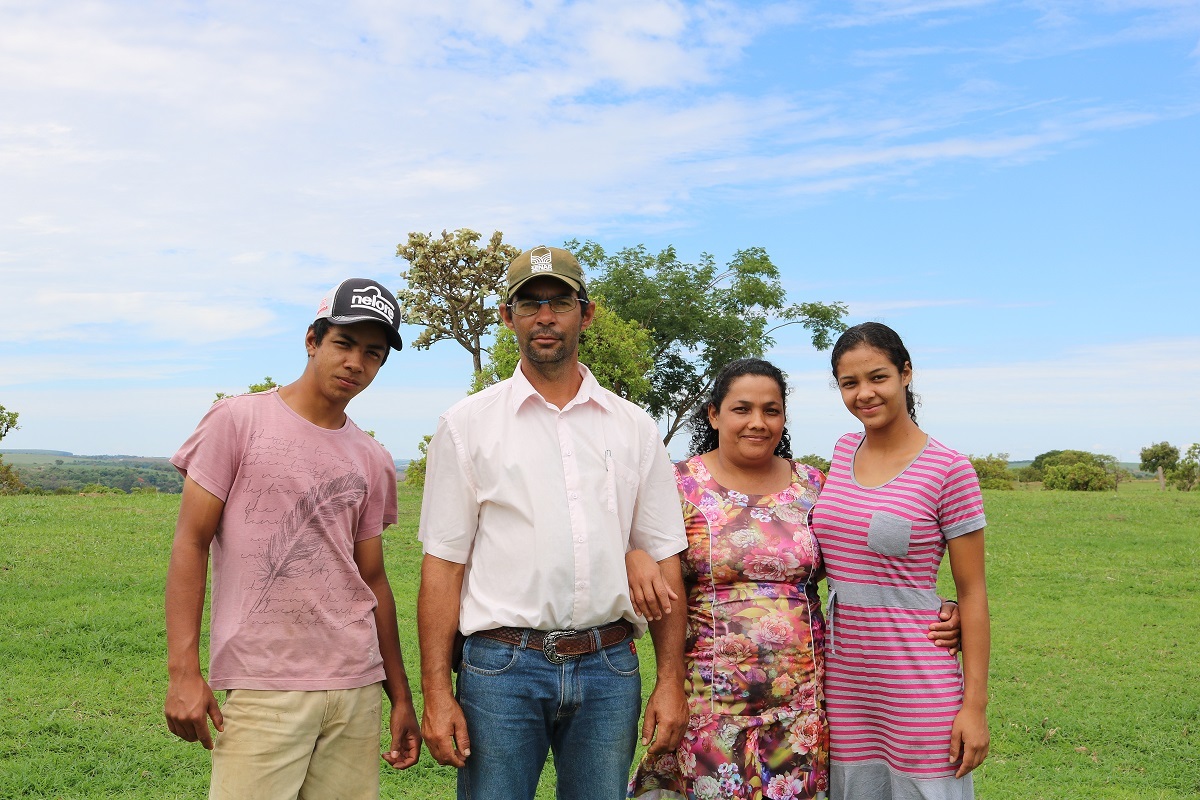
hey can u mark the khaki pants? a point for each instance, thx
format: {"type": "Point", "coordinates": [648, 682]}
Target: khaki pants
{"type": "Point", "coordinates": [317, 745]}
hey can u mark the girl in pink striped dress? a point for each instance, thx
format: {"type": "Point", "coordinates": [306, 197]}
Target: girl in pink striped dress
{"type": "Point", "coordinates": [905, 721]}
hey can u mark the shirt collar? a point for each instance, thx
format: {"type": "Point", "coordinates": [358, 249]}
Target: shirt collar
{"type": "Point", "coordinates": [589, 391]}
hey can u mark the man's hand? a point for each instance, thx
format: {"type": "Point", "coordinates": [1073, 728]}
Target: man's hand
{"type": "Point", "coordinates": [948, 632]}
{"type": "Point", "coordinates": [667, 709]}
{"type": "Point", "coordinates": [406, 736]}
{"type": "Point", "coordinates": [189, 705]}
{"type": "Point", "coordinates": [445, 730]}
{"type": "Point", "coordinates": [666, 718]}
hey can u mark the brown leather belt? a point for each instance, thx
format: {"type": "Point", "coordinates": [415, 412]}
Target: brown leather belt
{"type": "Point", "coordinates": [558, 646]}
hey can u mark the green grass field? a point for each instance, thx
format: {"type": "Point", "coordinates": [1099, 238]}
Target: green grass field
{"type": "Point", "coordinates": [1094, 680]}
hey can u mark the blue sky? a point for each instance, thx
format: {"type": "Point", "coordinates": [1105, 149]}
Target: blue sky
{"type": "Point", "coordinates": [1011, 185]}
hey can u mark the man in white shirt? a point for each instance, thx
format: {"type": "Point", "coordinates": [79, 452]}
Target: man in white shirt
{"type": "Point", "coordinates": [535, 489]}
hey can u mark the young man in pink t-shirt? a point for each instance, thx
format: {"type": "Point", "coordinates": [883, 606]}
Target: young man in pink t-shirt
{"type": "Point", "coordinates": [291, 498]}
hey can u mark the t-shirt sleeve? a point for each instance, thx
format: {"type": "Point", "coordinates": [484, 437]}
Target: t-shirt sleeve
{"type": "Point", "coordinates": [657, 524]}
{"type": "Point", "coordinates": [209, 456]}
{"type": "Point", "coordinates": [450, 504]}
{"type": "Point", "coordinates": [960, 503]}
{"type": "Point", "coordinates": [380, 509]}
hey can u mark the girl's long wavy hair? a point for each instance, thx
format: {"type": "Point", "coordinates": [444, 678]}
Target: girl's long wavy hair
{"type": "Point", "coordinates": [704, 435]}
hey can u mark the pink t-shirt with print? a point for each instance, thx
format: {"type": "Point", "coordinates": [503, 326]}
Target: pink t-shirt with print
{"type": "Point", "coordinates": [289, 608]}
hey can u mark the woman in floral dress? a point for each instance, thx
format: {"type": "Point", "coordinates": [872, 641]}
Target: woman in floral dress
{"type": "Point", "coordinates": [755, 630]}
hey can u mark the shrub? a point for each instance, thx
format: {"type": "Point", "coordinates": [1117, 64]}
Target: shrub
{"type": "Point", "coordinates": [414, 473]}
{"type": "Point", "coordinates": [993, 471]}
{"type": "Point", "coordinates": [1187, 473]}
{"type": "Point", "coordinates": [10, 481]}
{"type": "Point", "coordinates": [1030, 474]}
{"type": "Point", "coordinates": [814, 460]}
{"type": "Point", "coordinates": [1078, 478]}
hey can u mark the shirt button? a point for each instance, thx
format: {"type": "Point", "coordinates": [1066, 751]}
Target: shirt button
{"type": "Point", "coordinates": [574, 496]}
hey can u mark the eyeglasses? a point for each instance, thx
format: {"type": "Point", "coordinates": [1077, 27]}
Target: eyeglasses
{"type": "Point", "coordinates": [527, 307]}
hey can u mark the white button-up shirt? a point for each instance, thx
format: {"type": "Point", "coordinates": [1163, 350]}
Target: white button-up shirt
{"type": "Point", "coordinates": [542, 504]}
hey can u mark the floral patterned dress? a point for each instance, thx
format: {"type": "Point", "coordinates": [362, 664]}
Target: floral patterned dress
{"type": "Point", "coordinates": [754, 647]}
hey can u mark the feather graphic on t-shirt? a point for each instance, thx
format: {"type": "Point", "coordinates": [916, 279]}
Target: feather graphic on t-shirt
{"type": "Point", "coordinates": [300, 537]}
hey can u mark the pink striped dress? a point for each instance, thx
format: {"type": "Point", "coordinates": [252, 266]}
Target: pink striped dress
{"type": "Point", "coordinates": [891, 695]}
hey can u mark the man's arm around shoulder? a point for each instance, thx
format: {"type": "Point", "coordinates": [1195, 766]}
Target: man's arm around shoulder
{"type": "Point", "coordinates": [190, 701]}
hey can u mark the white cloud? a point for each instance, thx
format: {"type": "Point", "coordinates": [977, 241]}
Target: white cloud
{"type": "Point", "coordinates": [1114, 399]}
{"type": "Point", "coordinates": [197, 173]}
{"type": "Point", "coordinates": [875, 12]}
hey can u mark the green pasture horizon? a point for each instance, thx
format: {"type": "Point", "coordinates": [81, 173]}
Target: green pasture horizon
{"type": "Point", "coordinates": [1092, 683]}
{"type": "Point", "coordinates": [33, 457]}
{"type": "Point", "coordinates": [30, 457]}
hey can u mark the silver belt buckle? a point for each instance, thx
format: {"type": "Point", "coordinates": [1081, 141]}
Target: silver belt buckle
{"type": "Point", "coordinates": [548, 647]}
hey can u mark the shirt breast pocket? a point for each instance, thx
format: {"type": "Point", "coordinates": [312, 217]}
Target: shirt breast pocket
{"type": "Point", "coordinates": [889, 534]}
{"type": "Point", "coordinates": [622, 486]}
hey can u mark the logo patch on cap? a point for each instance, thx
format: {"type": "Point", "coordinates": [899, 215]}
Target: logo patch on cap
{"type": "Point", "coordinates": [540, 263]}
{"type": "Point", "coordinates": [369, 298]}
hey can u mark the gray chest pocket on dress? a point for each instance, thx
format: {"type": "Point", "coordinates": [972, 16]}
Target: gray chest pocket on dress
{"type": "Point", "coordinates": [888, 534]}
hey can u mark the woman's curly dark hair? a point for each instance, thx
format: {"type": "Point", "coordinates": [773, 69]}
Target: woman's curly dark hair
{"type": "Point", "coordinates": [704, 435]}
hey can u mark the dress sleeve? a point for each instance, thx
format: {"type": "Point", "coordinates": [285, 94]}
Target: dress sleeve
{"type": "Point", "coordinates": [960, 503]}
{"type": "Point", "coordinates": [210, 454]}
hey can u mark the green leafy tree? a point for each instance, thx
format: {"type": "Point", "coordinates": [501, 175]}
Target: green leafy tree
{"type": "Point", "coordinates": [617, 352]}
{"type": "Point", "coordinates": [1186, 474]}
{"type": "Point", "coordinates": [8, 421]}
{"type": "Point", "coordinates": [451, 282]}
{"type": "Point", "coordinates": [267, 384]}
{"type": "Point", "coordinates": [414, 473]}
{"type": "Point", "coordinates": [1036, 470]}
{"type": "Point", "coordinates": [1113, 468]}
{"type": "Point", "coordinates": [814, 460]}
{"type": "Point", "coordinates": [1160, 459]}
{"type": "Point", "coordinates": [700, 316]}
{"type": "Point", "coordinates": [1078, 477]}
{"type": "Point", "coordinates": [1040, 460]}
{"type": "Point", "coordinates": [10, 481]}
{"type": "Point", "coordinates": [1056, 458]}
{"type": "Point", "coordinates": [993, 471]}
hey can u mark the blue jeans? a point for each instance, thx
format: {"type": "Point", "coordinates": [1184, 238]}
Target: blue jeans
{"type": "Point", "coordinates": [519, 706]}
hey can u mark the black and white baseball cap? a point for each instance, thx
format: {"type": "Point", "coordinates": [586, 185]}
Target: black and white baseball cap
{"type": "Point", "coordinates": [362, 300]}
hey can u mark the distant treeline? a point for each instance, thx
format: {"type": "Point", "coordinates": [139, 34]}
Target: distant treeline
{"type": "Point", "coordinates": [124, 474]}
